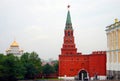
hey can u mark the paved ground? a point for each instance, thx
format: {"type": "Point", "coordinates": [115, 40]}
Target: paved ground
{"type": "Point", "coordinates": [68, 80]}
{"type": "Point", "coordinates": [76, 80]}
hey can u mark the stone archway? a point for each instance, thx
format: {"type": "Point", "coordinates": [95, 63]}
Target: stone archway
{"type": "Point", "coordinates": [83, 75]}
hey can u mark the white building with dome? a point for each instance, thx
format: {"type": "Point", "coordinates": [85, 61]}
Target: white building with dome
{"type": "Point", "coordinates": [14, 49]}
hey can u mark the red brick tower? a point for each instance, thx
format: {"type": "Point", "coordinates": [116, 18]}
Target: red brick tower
{"type": "Point", "coordinates": [73, 64]}
{"type": "Point", "coordinates": [68, 50]}
{"type": "Point", "coordinates": [68, 45]}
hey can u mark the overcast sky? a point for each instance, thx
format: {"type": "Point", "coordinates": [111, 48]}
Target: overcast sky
{"type": "Point", "coordinates": [38, 25]}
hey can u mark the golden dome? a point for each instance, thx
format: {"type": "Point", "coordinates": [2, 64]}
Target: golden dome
{"type": "Point", "coordinates": [116, 20]}
{"type": "Point", "coordinates": [14, 44]}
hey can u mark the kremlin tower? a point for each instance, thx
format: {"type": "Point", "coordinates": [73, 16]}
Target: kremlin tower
{"type": "Point", "coordinates": [77, 65]}
{"type": "Point", "coordinates": [69, 45]}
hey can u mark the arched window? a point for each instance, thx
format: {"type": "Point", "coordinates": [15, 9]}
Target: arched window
{"type": "Point", "coordinates": [68, 33]}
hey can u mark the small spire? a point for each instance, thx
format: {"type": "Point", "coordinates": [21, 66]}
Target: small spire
{"type": "Point", "coordinates": [68, 20]}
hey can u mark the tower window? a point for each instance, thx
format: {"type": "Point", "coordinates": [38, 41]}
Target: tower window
{"type": "Point", "coordinates": [68, 33]}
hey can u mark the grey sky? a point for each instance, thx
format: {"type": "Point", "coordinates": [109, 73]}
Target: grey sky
{"type": "Point", "coordinates": [38, 25]}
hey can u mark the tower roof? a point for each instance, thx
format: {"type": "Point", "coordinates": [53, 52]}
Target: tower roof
{"type": "Point", "coordinates": [68, 20]}
{"type": "Point", "coordinates": [14, 44]}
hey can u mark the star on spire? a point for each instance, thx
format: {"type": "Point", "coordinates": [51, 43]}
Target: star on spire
{"type": "Point", "coordinates": [68, 6]}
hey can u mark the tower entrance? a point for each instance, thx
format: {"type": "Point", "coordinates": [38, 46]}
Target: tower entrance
{"type": "Point", "coordinates": [82, 75]}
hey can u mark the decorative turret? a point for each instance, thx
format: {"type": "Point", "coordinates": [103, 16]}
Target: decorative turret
{"type": "Point", "coordinates": [115, 25]}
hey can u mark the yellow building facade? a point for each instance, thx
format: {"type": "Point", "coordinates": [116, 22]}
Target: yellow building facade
{"type": "Point", "coordinates": [113, 52]}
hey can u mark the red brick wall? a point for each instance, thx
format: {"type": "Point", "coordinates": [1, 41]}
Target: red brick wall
{"type": "Point", "coordinates": [70, 65]}
{"type": "Point", "coordinates": [97, 64]}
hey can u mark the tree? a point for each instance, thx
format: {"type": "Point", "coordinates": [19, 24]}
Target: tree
{"type": "Point", "coordinates": [36, 61]}
{"type": "Point", "coordinates": [48, 69]}
{"type": "Point", "coordinates": [2, 57]}
{"type": "Point", "coordinates": [56, 65]}
{"type": "Point", "coordinates": [10, 68]}
{"type": "Point", "coordinates": [13, 68]}
{"type": "Point", "coordinates": [32, 64]}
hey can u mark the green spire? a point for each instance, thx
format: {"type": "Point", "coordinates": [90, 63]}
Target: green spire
{"type": "Point", "coordinates": [68, 21]}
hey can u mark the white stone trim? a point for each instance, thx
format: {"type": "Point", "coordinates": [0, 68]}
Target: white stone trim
{"type": "Point", "coordinates": [100, 77]}
{"type": "Point", "coordinates": [67, 78]}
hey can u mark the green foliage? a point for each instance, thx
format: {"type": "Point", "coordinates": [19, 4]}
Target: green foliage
{"type": "Point", "coordinates": [13, 68]}
{"type": "Point", "coordinates": [55, 65]}
{"type": "Point", "coordinates": [48, 69]}
{"type": "Point", "coordinates": [27, 66]}
{"type": "Point", "coordinates": [10, 68]}
{"type": "Point", "coordinates": [32, 64]}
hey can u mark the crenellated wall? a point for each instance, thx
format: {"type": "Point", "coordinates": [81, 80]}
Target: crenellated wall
{"type": "Point", "coordinates": [94, 63]}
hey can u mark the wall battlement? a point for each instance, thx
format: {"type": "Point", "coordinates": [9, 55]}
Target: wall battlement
{"type": "Point", "coordinates": [99, 52]}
